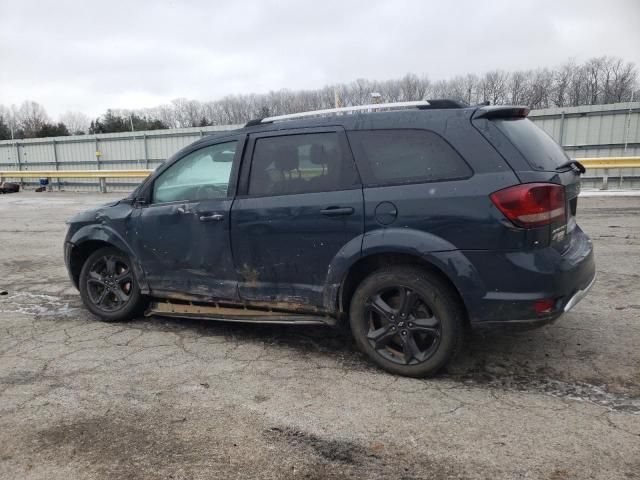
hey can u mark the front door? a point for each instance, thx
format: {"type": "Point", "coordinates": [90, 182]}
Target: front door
{"type": "Point", "coordinates": [182, 236]}
{"type": "Point", "coordinates": [302, 203]}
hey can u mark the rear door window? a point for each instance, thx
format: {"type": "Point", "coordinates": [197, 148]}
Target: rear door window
{"type": "Point", "coordinates": [536, 146]}
{"type": "Point", "coordinates": [388, 157]}
{"type": "Point", "coordinates": [301, 163]}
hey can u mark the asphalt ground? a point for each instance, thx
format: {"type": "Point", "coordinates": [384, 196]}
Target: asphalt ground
{"type": "Point", "coordinates": [156, 398]}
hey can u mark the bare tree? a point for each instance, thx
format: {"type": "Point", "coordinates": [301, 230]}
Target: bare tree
{"type": "Point", "coordinates": [577, 87]}
{"type": "Point", "coordinates": [9, 117]}
{"type": "Point", "coordinates": [541, 89]}
{"type": "Point", "coordinates": [562, 83]}
{"type": "Point", "coordinates": [390, 91]}
{"type": "Point", "coordinates": [413, 88]}
{"type": "Point", "coordinates": [470, 83]}
{"type": "Point", "coordinates": [188, 113]}
{"type": "Point", "coordinates": [517, 87]}
{"type": "Point", "coordinates": [494, 87]}
{"type": "Point", "coordinates": [594, 70]}
{"type": "Point", "coordinates": [31, 116]}
{"type": "Point", "coordinates": [77, 123]}
{"type": "Point", "coordinates": [623, 80]}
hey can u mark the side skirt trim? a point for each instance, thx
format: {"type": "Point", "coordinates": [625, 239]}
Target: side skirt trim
{"type": "Point", "coordinates": [230, 314]}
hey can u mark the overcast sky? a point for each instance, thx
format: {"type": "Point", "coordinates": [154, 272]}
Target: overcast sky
{"type": "Point", "coordinates": [88, 56]}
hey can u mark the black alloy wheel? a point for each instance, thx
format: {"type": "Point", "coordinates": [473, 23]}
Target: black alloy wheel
{"type": "Point", "coordinates": [402, 326]}
{"type": "Point", "coordinates": [110, 282]}
{"type": "Point", "coordinates": [408, 320]}
{"type": "Point", "coordinates": [108, 286]}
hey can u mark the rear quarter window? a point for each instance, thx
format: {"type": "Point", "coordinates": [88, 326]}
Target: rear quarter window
{"type": "Point", "coordinates": [536, 146]}
{"type": "Point", "coordinates": [388, 157]}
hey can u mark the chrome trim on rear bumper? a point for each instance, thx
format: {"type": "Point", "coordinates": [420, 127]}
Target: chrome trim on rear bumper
{"type": "Point", "coordinates": [579, 295]}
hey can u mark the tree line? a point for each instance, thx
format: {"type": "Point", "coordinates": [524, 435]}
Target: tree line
{"type": "Point", "coordinates": [596, 81]}
{"type": "Point", "coordinates": [31, 120]}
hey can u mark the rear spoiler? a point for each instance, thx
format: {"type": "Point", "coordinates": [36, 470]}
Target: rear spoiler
{"type": "Point", "coordinates": [499, 111]}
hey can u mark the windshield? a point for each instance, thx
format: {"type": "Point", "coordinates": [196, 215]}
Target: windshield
{"type": "Point", "coordinates": [539, 149]}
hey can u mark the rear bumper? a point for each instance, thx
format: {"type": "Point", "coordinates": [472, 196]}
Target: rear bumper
{"type": "Point", "coordinates": [540, 321]}
{"type": "Point", "coordinates": [501, 288]}
{"type": "Point", "coordinates": [579, 295]}
{"type": "Point", "coordinates": [516, 325]}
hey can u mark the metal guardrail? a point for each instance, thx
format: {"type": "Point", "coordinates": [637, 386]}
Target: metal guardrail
{"type": "Point", "coordinates": [75, 173]}
{"type": "Point", "coordinates": [101, 175]}
{"type": "Point", "coordinates": [605, 163]}
{"type": "Point", "coordinates": [608, 163]}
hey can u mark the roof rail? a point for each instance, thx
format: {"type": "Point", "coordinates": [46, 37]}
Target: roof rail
{"type": "Point", "coordinates": [436, 104]}
{"type": "Point", "coordinates": [357, 108]}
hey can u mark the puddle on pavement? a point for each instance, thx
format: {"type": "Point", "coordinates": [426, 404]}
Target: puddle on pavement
{"type": "Point", "coordinates": [36, 304]}
{"type": "Point", "coordinates": [577, 391]}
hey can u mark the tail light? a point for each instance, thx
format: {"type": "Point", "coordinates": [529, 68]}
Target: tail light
{"type": "Point", "coordinates": [532, 205]}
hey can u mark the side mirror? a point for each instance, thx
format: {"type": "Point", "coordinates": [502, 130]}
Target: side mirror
{"type": "Point", "coordinates": [143, 197]}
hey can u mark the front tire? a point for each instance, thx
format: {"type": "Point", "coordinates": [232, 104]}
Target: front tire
{"type": "Point", "coordinates": [408, 321]}
{"type": "Point", "coordinates": [108, 286]}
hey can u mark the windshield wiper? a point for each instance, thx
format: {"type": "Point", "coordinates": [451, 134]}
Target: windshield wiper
{"type": "Point", "coordinates": [575, 165]}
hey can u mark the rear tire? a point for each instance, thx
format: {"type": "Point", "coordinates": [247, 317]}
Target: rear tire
{"type": "Point", "coordinates": [108, 286]}
{"type": "Point", "coordinates": [407, 320]}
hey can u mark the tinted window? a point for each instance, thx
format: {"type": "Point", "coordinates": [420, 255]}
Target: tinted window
{"type": "Point", "coordinates": [540, 150]}
{"type": "Point", "coordinates": [405, 156]}
{"type": "Point", "coordinates": [200, 175]}
{"type": "Point", "coordinates": [303, 163]}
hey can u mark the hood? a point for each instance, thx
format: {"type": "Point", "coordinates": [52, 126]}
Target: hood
{"type": "Point", "coordinates": [89, 216]}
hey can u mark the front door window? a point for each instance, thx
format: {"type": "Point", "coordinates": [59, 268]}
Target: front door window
{"type": "Point", "coordinates": [201, 175]}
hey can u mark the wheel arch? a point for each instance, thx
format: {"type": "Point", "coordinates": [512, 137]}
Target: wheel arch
{"type": "Point", "coordinates": [366, 265]}
{"type": "Point", "coordinates": [80, 253]}
{"type": "Point", "coordinates": [93, 237]}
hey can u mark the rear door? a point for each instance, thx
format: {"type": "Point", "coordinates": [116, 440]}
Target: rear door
{"type": "Point", "coordinates": [300, 202]}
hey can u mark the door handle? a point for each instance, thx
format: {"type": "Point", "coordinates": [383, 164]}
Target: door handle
{"type": "Point", "coordinates": [337, 211]}
{"type": "Point", "coordinates": [182, 210]}
{"type": "Point", "coordinates": [214, 217]}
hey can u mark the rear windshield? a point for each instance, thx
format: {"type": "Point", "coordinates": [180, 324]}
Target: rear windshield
{"type": "Point", "coordinates": [539, 149]}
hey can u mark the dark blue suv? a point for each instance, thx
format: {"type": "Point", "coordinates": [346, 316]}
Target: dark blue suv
{"type": "Point", "coordinates": [409, 221]}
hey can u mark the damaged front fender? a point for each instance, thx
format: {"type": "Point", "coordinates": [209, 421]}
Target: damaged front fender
{"type": "Point", "coordinates": [104, 234]}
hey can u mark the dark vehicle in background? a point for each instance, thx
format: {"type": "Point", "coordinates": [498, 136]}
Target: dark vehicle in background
{"type": "Point", "coordinates": [6, 187]}
{"type": "Point", "coordinates": [410, 221]}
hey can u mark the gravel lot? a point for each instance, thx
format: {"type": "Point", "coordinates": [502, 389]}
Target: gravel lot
{"type": "Point", "coordinates": [158, 398]}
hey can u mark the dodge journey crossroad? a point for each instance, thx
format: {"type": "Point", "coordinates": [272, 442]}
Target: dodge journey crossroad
{"type": "Point", "coordinates": [408, 222]}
